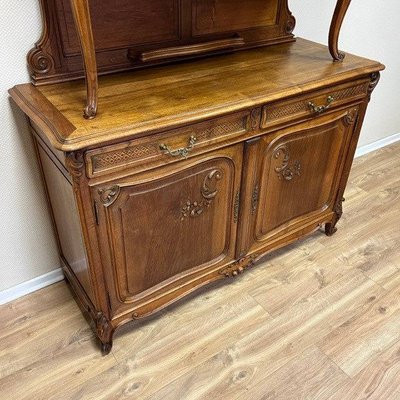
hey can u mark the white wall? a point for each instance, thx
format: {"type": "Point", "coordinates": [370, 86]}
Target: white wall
{"type": "Point", "coordinates": [27, 246]}
{"type": "Point", "coordinates": [370, 29]}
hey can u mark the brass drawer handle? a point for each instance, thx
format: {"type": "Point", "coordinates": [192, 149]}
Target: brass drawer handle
{"type": "Point", "coordinates": [321, 109]}
{"type": "Point", "coordinates": [183, 152]}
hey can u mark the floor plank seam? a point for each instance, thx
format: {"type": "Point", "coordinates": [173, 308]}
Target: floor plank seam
{"type": "Point", "coordinates": [332, 360]}
{"type": "Point", "coordinates": [373, 280]}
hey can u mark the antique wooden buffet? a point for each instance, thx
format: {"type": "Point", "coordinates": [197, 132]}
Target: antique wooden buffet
{"type": "Point", "coordinates": [188, 172]}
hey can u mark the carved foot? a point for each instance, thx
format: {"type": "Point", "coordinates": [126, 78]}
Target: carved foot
{"type": "Point", "coordinates": [330, 229]}
{"type": "Point", "coordinates": [106, 348]}
{"type": "Point", "coordinates": [104, 332]}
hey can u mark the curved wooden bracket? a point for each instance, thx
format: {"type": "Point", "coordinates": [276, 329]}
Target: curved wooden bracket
{"type": "Point", "coordinates": [80, 10]}
{"type": "Point", "coordinates": [336, 24]}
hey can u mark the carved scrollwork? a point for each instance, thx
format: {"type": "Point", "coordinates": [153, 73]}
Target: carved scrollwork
{"type": "Point", "coordinates": [351, 117]}
{"type": "Point", "coordinates": [103, 325]}
{"type": "Point", "coordinates": [104, 331]}
{"type": "Point", "coordinates": [39, 61]}
{"type": "Point", "coordinates": [90, 111]}
{"type": "Point", "coordinates": [75, 165]}
{"type": "Point", "coordinates": [284, 171]}
{"type": "Point", "coordinates": [290, 24]}
{"type": "Point", "coordinates": [109, 194]}
{"type": "Point", "coordinates": [208, 192]}
{"type": "Point", "coordinates": [254, 119]}
{"type": "Point", "coordinates": [375, 77]}
{"type": "Point", "coordinates": [239, 266]}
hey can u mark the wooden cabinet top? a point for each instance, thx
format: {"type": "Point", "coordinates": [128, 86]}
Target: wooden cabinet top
{"type": "Point", "coordinates": [160, 98]}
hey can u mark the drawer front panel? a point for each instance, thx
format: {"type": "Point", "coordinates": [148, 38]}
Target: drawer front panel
{"type": "Point", "coordinates": [167, 147]}
{"type": "Point", "coordinates": [312, 104]}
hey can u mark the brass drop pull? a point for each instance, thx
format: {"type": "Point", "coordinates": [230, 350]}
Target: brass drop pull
{"type": "Point", "coordinates": [183, 152]}
{"type": "Point", "coordinates": [321, 109]}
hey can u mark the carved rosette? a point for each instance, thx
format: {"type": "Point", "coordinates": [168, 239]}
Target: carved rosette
{"type": "Point", "coordinates": [284, 171]}
{"type": "Point", "coordinates": [75, 165]}
{"type": "Point", "coordinates": [109, 194]}
{"type": "Point", "coordinates": [375, 77]}
{"type": "Point", "coordinates": [208, 192]}
{"type": "Point", "coordinates": [239, 266]}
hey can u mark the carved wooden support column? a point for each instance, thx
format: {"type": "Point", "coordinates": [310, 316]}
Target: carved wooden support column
{"type": "Point", "coordinates": [336, 24]}
{"type": "Point", "coordinates": [80, 9]}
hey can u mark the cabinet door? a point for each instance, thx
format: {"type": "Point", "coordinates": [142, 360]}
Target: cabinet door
{"type": "Point", "coordinates": [161, 230]}
{"type": "Point", "coordinates": [294, 175]}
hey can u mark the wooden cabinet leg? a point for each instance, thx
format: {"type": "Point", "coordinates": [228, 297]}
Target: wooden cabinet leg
{"type": "Point", "coordinates": [336, 24]}
{"type": "Point", "coordinates": [106, 348]}
{"type": "Point", "coordinates": [80, 9]}
{"type": "Point", "coordinates": [104, 332]}
{"type": "Point", "coordinates": [330, 227]}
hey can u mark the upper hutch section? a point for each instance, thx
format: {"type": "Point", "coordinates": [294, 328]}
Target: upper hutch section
{"type": "Point", "coordinates": [131, 34]}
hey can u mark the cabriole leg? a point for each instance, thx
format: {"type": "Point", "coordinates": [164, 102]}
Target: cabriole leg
{"type": "Point", "coordinates": [336, 24]}
{"type": "Point", "coordinates": [330, 227]}
{"type": "Point", "coordinates": [80, 10]}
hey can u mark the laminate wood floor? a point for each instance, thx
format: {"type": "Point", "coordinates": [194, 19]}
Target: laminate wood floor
{"type": "Point", "coordinates": [317, 320]}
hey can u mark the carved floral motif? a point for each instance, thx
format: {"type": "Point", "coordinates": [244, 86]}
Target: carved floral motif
{"type": "Point", "coordinates": [208, 192]}
{"type": "Point", "coordinates": [239, 266]}
{"type": "Point", "coordinates": [285, 171]}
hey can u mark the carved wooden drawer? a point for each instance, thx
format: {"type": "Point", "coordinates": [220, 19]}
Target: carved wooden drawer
{"type": "Point", "coordinates": [312, 104]}
{"type": "Point", "coordinates": [168, 147]}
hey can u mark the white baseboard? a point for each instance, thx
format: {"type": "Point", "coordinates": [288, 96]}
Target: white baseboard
{"type": "Point", "coordinates": [361, 151]}
{"type": "Point", "coordinates": [25, 288]}
{"type": "Point", "coordinates": [57, 275]}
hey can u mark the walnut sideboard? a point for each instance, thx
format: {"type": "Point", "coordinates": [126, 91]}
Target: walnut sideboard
{"type": "Point", "coordinates": [190, 172]}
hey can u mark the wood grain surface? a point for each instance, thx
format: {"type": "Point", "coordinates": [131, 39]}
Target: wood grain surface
{"type": "Point", "coordinates": [316, 320]}
{"type": "Point", "coordinates": [161, 98]}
